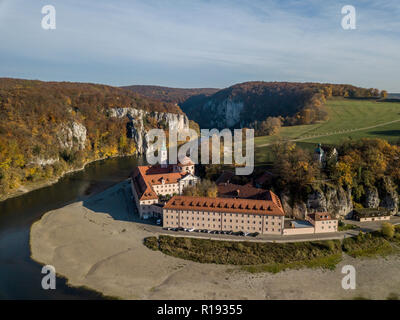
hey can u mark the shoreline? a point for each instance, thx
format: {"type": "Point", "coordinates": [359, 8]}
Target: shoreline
{"type": "Point", "coordinates": [24, 189]}
{"type": "Point", "coordinates": [97, 243]}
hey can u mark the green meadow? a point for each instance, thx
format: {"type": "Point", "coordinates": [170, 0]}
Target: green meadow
{"type": "Point", "coordinates": [348, 119]}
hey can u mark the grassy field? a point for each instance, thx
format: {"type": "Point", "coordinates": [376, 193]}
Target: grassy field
{"type": "Point", "coordinates": [345, 115]}
{"type": "Point", "coordinates": [348, 119]}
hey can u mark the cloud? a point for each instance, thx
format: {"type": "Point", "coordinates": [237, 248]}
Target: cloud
{"type": "Point", "coordinates": [203, 43]}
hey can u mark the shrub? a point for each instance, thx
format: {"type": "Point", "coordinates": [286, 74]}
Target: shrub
{"type": "Point", "coordinates": [369, 245]}
{"type": "Point", "coordinates": [330, 245]}
{"type": "Point", "coordinates": [387, 230]}
{"type": "Point", "coordinates": [151, 243]}
{"type": "Point", "coordinates": [248, 253]}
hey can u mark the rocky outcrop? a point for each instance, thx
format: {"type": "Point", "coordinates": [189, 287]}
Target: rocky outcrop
{"type": "Point", "coordinates": [389, 195]}
{"type": "Point", "coordinates": [390, 201]}
{"type": "Point", "coordinates": [44, 162]}
{"type": "Point", "coordinates": [72, 135]}
{"type": "Point", "coordinates": [225, 114]}
{"type": "Point", "coordinates": [337, 201]}
{"type": "Point", "coordinates": [136, 126]}
{"type": "Point", "coordinates": [371, 198]}
{"type": "Point", "coordinates": [293, 209]}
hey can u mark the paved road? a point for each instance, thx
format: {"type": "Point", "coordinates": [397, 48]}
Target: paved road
{"type": "Point", "coordinates": [150, 226]}
{"type": "Point", "coordinates": [373, 225]}
{"type": "Point", "coordinates": [334, 133]}
{"type": "Point", "coordinates": [365, 227]}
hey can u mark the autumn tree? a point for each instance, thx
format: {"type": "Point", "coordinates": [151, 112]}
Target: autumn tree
{"type": "Point", "coordinates": [294, 166]}
{"type": "Point", "coordinates": [205, 188]}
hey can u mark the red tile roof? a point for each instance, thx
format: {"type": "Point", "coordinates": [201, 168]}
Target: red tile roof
{"type": "Point", "coordinates": [186, 161]}
{"type": "Point", "coordinates": [320, 216]}
{"type": "Point", "coordinates": [238, 191]}
{"type": "Point", "coordinates": [144, 177]}
{"type": "Point", "coordinates": [228, 205]}
{"type": "Point", "coordinates": [230, 190]}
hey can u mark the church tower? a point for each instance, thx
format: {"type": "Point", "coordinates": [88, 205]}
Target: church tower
{"type": "Point", "coordinates": [164, 156]}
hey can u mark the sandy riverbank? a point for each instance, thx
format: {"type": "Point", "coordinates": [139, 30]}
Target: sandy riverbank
{"type": "Point", "coordinates": [98, 244]}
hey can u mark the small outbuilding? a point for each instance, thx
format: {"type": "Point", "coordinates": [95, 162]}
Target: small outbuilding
{"type": "Point", "coordinates": [323, 222]}
{"type": "Point", "coordinates": [294, 227]}
{"type": "Point", "coordinates": [371, 214]}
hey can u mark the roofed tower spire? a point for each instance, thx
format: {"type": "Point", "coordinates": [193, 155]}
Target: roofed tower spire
{"type": "Point", "coordinates": [164, 156]}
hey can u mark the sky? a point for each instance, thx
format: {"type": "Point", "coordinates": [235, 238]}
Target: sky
{"type": "Point", "coordinates": [208, 43]}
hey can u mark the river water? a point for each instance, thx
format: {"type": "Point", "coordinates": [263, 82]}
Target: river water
{"type": "Point", "coordinates": [20, 276]}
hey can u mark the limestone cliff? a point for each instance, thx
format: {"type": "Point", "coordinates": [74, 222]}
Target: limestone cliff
{"type": "Point", "coordinates": [389, 197]}
{"type": "Point", "coordinates": [325, 198]}
{"type": "Point", "coordinates": [339, 202]}
{"type": "Point", "coordinates": [137, 130]}
{"type": "Point", "coordinates": [72, 134]}
{"type": "Point", "coordinates": [226, 113]}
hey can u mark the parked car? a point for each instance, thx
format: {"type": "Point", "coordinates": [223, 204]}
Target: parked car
{"type": "Point", "coordinates": [180, 229]}
{"type": "Point", "coordinates": [254, 234]}
{"type": "Point", "coordinates": [174, 229]}
{"type": "Point", "coordinates": [197, 230]}
{"type": "Point", "coordinates": [190, 230]}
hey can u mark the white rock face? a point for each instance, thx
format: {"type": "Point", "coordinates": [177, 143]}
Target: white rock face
{"type": "Point", "coordinates": [73, 135]}
{"type": "Point", "coordinates": [337, 201]}
{"type": "Point", "coordinates": [226, 114]}
{"type": "Point", "coordinates": [232, 112]}
{"type": "Point", "coordinates": [44, 162]}
{"type": "Point", "coordinates": [138, 133]}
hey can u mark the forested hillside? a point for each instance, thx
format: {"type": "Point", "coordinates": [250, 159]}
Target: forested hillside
{"type": "Point", "coordinates": [47, 128]}
{"type": "Point", "coordinates": [166, 94]}
{"type": "Point", "coordinates": [250, 103]}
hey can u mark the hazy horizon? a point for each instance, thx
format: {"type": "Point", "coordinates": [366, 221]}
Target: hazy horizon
{"type": "Point", "coordinates": [172, 87]}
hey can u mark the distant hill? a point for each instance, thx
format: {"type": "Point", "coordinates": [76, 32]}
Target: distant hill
{"type": "Point", "coordinates": [247, 103]}
{"type": "Point", "coordinates": [166, 94]}
{"type": "Point", "coordinates": [80, 93]}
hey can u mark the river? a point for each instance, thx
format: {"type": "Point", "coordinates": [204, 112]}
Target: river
{"type": "Point", "coordinates": [20, 276]}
